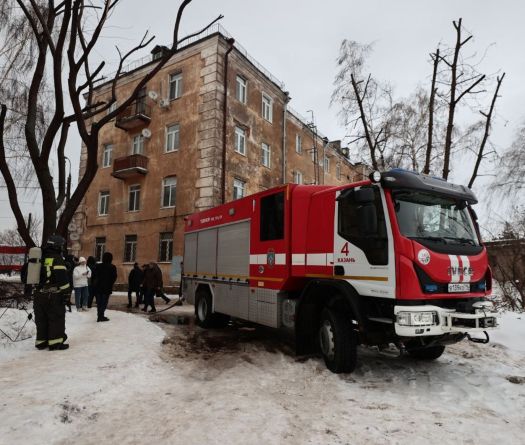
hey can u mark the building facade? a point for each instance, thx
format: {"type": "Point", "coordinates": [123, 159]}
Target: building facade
{"type": "Point", "coordinates": [212, 126]}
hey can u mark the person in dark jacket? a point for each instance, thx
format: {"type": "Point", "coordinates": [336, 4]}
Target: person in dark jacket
{"type": "Point", "coordinates": [160, 292]}
{"type": "Point", "coordinates": [71, 262]}
{"type": "Point", "coordinates": [135, 278]}
{"type": "Point", "coordinates": [92, 264]}
{"type": "Point", "coordinates": [106, 277]}
{"type": "Point", "coordinates": [151, 283]}
{"type": "Point", "coordinates": [50, 297]}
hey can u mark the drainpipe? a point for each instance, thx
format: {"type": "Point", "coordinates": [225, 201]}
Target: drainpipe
{"type": "Point", "coordinates": [325, 147]}
{"type": "Point", "coordinates": [230, 42]}
{"type": "Point", "coordinates": [285, 117]}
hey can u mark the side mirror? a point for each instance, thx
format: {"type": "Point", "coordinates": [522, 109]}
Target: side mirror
{"type": "Point", "coordinates": [367, 216]}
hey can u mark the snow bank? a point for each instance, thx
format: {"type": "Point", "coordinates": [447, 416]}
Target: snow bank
{"type": "Point", "coordinates": [126, 382]}
{"type": "Point", "coordinates": [512, 331]}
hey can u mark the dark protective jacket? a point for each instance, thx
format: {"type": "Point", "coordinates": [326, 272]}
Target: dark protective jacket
{"type": "Point", "coordinates": [54, 273]}
{"type": "Point", "coordinates": [152, 278]}
{"type": "Point", "coordinates": [135, 278]}
{"type": "Point", "coordinates": [106, 275]}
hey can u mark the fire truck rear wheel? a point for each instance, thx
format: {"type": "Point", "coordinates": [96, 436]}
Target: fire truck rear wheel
{"type": "Point", "coordinates": [203, 311]}
{"type": "Point", "coordinates": [203, 306]}
{"type": "Point", "coordinates": [337, 341]}
{"type": "Point", "coordinates": [430, 353]}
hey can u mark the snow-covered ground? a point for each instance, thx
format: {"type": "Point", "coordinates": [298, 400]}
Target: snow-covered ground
{"type": "Point", "coordinates": [131, 381]}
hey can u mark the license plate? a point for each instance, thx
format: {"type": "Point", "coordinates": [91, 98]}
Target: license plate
{"type": "Point", "coordinates": [459, 287]}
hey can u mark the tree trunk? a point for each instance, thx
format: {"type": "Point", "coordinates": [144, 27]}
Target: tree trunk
{"type": "Point", "coordinates": [433, 91]}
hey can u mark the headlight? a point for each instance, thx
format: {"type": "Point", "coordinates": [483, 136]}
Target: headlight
{"type": "Point", "coordinates": [417, 318]}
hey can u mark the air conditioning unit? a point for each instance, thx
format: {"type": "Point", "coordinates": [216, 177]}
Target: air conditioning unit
{"type": "Point", "coordinates": [164, 103]}
{"type": "Point", "coordinates": [153, 95]}
{"type": "Point", "coordinates": [146, 132]}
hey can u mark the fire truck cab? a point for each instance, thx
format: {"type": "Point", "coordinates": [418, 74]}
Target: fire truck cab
{"type": "Point", "coordinates": [394, 259]}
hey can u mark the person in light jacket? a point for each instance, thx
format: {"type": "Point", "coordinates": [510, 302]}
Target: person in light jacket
{"type": "Point", "coordinates": [81, 275]}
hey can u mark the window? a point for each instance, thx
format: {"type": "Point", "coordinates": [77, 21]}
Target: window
{"type": "Point", "coordinates": [103, 203]}
{"type": "Point", "coordinates": [298, 143]}
{"type": "Point", "coordinates": [239, 188]}
{"type": "Point", "coordinates": [107, 155]}
{"type": "Point", "coordinates": [265, 155]}
{"type": "Point", "coordinates": [338, 171]}
{"type": "Point", "coordinates": [351, 217]}
{"type": "Point", "coordinates": [175, 85]}
{"type": "Point", "coordinates": [172, 137]}
{"type": "Point", "coordinates": [240, 140]}
{"type": "Point", "coordinates": [313, 154]}
{"type": "Point", "coordinates": [130, 248]}
{"type": "Point", "coordinates": [298, 177]}
{"type": "Point", "coordinates": [134, 198]}
{"type": "Point", "coordinates": [326, 164]}
{"type": "Point", "coordinates": [138, 145]}
{"type": "Point", "coordinates": [169, 187]}
{"type": "Point", "coordinates": [272, 217]}
{"type": "Point", "coordinates": [166, 247]}
{"type": "Point", "coordinates": [267, 107]}
{"type": "Point", "coordinates": [140, 102]}
{"type": "Point", "coordinates": [241, 88]}
{"type": "Point", "coordinates": [100, 248]}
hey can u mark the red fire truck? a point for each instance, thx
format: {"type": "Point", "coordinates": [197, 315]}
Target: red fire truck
{"type": "Point", "coordinates": [11, 259]}
{"type": "Point", "coordinates": [394, 259]}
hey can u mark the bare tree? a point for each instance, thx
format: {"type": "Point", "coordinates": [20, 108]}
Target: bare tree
{"type": "Point", "coordinates": [461, 84]}
{"type": "Point", "coordinates": [510, 180]}
{"type": "Point", "coordinates": [64, 50]}
{"type": "Point", "coordinates": [11, 237]}
{"type": "Point", "coordinates": [431, 107]}
{"type": "Point", "coordinates": [366, 103]}
{"type": "Point", "coordinates": [418, 132]}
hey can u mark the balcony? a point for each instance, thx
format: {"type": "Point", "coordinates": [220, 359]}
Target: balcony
{"type": "Point", "coordinates": [130, 166]}
{"type": "Point", "coordinates": [133, 116]}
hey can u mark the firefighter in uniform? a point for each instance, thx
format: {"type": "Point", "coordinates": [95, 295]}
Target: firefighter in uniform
{"type": "Point", "coordinates": [51, 296]}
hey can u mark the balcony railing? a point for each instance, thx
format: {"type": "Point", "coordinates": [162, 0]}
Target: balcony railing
{"type": "Point", "coordinates": [137, 114]}
{"type": "Point", "coordinates": [129, 166]}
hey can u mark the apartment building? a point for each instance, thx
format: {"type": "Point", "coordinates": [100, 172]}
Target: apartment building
{"type": "Point", "coordinates": [213, 125]}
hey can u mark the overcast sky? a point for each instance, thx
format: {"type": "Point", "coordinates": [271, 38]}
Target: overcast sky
{"type": "Point", "coordinates": [298, 42]}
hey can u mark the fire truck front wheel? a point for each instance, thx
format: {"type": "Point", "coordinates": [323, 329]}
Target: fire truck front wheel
{"type": "Point", "coordinates": [337, 341]}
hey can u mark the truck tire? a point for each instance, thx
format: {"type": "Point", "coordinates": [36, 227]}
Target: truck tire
{"type": "Point", "coordinates": [203, 305]}
{"type": "Point", "coordinates": [337, 341]}
{"type": "Point", "coordinates": [430, 353]}
{"type": "Point", "coordinates": [203, 311]}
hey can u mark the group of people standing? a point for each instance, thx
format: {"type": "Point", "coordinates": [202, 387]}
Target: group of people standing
{"type": "Point", "coordinates": [147, 283]}
{"type": "Point", "coordinates": [90, 280]}
{"type": "Point", "coordinates": [94, 281]}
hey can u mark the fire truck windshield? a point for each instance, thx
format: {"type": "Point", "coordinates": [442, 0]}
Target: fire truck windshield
{"type": "Point", "coordinates": [434, 218]}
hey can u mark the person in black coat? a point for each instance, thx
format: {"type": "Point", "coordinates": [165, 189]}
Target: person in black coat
{"type": "Point", "coordinates": [135, 278]}
{"type": "Point", "coordinates": [106, 277]}
{"type": "Point", "coordinates": [92, 264]}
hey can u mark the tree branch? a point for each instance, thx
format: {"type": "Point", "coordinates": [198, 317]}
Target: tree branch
{"type": "Point", "coordinates": [488, 119]}
{"type": "Point", "coordinates": [10, 184]}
